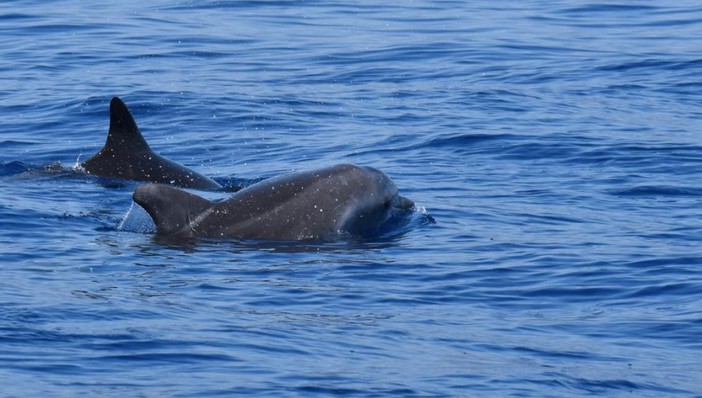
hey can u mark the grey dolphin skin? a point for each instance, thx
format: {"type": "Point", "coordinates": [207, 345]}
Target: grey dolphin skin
{"type": "Point", "coordinates": [320, 204]}
{"type": "Point", "coordinates": [126, 155]}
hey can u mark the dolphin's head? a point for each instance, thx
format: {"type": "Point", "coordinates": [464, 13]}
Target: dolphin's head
{"type": "Point", "coordinates": [385, 190]}
{"type": "Point", "coordinates": [378, 202]}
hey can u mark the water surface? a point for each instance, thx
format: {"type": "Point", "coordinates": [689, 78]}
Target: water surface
{"type": "Point", "coordinates": [556, 144]}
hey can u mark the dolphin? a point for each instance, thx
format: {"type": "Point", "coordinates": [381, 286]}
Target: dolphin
{"type": "Point", "coordinates": [323, 204]}
{"type": "Point", "coordinates": [126, 155]}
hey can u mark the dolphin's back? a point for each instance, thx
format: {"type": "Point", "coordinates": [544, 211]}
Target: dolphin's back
{"type": "Point", "coordinates": [317, 204]}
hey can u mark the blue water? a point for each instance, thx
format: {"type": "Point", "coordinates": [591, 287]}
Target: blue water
{"type": "Point", "coordinates": [557, 144]}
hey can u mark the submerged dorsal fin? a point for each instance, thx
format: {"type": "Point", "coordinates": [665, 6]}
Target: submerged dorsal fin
{"type": "Point", "coordinates": [124, 134]}
{"type": "Point", "coordinates": [172, 209]}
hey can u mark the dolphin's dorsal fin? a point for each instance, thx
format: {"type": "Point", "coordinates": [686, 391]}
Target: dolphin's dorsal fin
{"type": "Point", "coordinates": [124, 134]}
{"type": "Point", "coordinates": [172, 209]}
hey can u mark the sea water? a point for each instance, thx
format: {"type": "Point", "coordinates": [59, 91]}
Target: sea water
{"type": "Point", "coordinates": [556, 144]}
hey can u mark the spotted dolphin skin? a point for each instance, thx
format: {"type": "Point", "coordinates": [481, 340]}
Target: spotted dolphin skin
{"type": "Point", "coordinates": [126, 155]}
{"type": "Point", "coordinates": [320, 204]}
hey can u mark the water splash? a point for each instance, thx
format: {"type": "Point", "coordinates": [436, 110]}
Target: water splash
{"type": "Point", "coordinates": [136, 220]}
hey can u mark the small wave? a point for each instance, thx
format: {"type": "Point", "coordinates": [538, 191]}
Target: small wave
{"type": "Point", "coordinates": [604, 386]}
{"type": "Point", "coordinates": [462, 141]}
{"type": "Point", "coordinates": [608, 8]}
{"type": "Point", "coordinates": [653, 64]}
{"type": "Point", "coordinates": [14, 168]}
{"type": "Point", "coordinates": [454, 143]}
{"type": "Point", "coordinates": [657, 190]}
{"type": "Point", "coordinates": [669, 289]}
{"type": "Point", "coordinates": [52, 171]}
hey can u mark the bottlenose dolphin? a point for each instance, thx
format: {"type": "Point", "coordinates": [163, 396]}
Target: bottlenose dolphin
{"type": "Point", "coordinates": [126, 155]}
{"type": "Point", "coordinates": [322, 204]}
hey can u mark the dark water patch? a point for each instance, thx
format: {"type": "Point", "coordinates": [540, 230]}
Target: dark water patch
{"type": "Point", "coordinates": [461, 142]}
{"type": "Point", "coordinates": [691, 289]}
{"type": "Point", "coordinates": [605, 386]}
{"type": "Point", "coordinates": [14, 168]}
{"type": "Point", "coordinates": [673, 158]}
{"type": "Point", "coordinates": [330, 389]}
{"type": "Point", "coordinates": [15, 144]}
{"type": "Point", "coordinates": [161, 358]}
{"type": "Point", "coordinates": [234, 184]}
{"type": "Point", "coordinates": [546, 151]}
{"type": "Point", "coordinates": [21, 171]}
{"type": "Point", "coordinates": [645, 191]}
{"type": "Point", "coordinates": [54, 368]}
{"type": "Point", "coordinates": [662, 264]}
{"type": "Point", "coordinates": [591, 9]}
{"type": "Point", "coordinates": [575, 293]}
{"type": "Point", "coordinates": [655, 65]}
{"type": "Point", "coordinates": [16, 16]}
{"type": "Point", "coordinates": [465, 143]}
